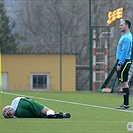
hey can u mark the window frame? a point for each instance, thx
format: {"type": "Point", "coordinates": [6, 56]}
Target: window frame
{"type": "Point", "coordinates": [47, 81]}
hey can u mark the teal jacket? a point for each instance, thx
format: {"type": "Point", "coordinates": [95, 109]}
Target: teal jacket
{"type": "Point", "coordinates": [124, 48]}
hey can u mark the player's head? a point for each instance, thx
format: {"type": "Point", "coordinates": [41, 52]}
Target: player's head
{"type": "Point", "coordinates": [125, 26]}
{"type": "Point", "coordinates": [128, 23]}
{"type": "Point", "coordinates": [8, 112]}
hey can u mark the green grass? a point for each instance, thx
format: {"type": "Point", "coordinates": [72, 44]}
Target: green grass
{"type": "Point", "coordinates": [88, 116]}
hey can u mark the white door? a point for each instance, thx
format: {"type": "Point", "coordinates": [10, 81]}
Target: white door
{"type": "Point", "coordinates": [4, 81]}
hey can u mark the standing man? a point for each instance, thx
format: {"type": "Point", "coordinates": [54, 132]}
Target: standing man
{"type": "Point", "coordinates": [123, 57]}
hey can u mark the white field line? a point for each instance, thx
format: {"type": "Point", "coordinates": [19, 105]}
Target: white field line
{"type": "Point", "coordinates": [69, 132]}
{"type": "Point", "coordinates": [68, 102]}
{"type": "Point", "coordinates": [68, 121]}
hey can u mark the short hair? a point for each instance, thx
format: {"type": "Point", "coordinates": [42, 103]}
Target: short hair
{"type": "Point", "coordinates": [128, 23]}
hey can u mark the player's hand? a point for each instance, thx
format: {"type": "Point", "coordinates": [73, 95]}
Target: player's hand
{"type": "Point", "coordinates": [118, 68]}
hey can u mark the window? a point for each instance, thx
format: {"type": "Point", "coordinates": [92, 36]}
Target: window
{"type": "Point", "coordinates": [40, 81]}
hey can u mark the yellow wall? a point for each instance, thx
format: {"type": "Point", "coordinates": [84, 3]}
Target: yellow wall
{"type": "Point", "coordinates": [20, 66]}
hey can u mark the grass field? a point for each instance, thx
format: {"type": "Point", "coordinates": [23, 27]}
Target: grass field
{"type": "Point", "coordinates": [92, 112]}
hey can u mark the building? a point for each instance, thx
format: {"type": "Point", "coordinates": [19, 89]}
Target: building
{"type": "Point", "coordinates": [33, 71]}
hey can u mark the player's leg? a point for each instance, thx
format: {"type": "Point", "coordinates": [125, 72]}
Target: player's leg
{"type": "Point", "coordinates": [123, 77]}
{"type": "Point", "coordinates": [47, 112]}
{"type": "Point", "coordinates": [60, 115]}
{"type": "Point", "coordinates": [31, 108]}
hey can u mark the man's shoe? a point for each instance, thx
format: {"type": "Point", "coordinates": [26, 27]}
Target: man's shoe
{"type": "Point", "coordinates": [123, 107]}
{"type": "Point", "coordinates": [66, 115]}
{"type": "Point", "coordinates": [63, 115]}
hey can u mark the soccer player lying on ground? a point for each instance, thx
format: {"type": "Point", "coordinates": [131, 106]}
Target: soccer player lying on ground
{"type": "Point", "coordinates": [24, 107]}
